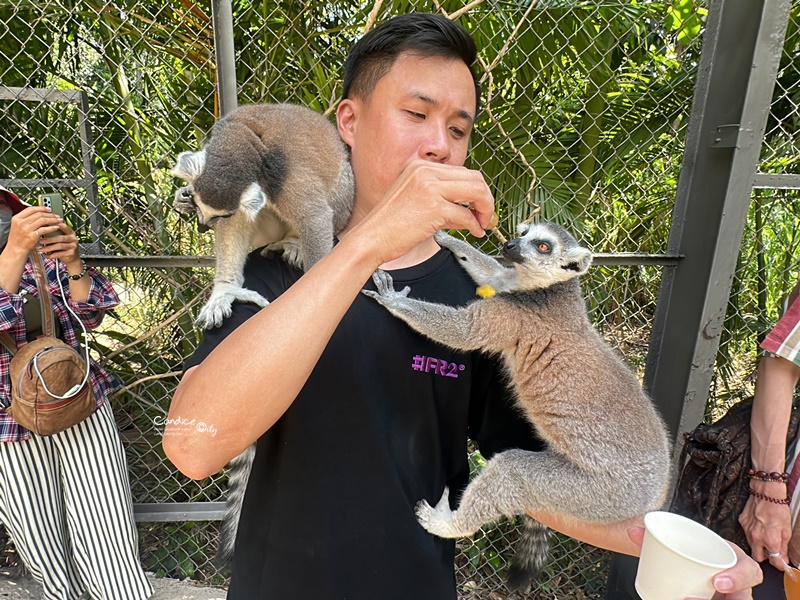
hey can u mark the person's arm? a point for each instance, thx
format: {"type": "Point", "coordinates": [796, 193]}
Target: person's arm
{"type": "Point", "coordinates": [253, 376]}
{"type": "Point", "coordinates": [766, 524]}
{"type": "Point", "coordinates": [612, 536]}
{"type": "Point", "coordinates": [626, 538]}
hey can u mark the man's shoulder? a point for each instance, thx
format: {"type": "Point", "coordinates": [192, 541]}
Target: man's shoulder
{"type": "Point", "coordinates": [268, 270]}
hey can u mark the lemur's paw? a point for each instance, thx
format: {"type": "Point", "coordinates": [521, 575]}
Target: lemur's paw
{"type": "Point", "coordinates": [385, 285]}
{"type": "Point", "coordinates": [438, 520]}
{"type": "Point", "coordinates": [218, 306]}
{"type": "Point", "coordinates": [289, 249]}
{"type": "Point", "coordinates": [184, 201]}
{"type": "Point", "coordinates": [445, 240]}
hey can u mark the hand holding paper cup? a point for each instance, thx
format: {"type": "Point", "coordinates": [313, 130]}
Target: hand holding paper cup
{"type": "Point", "coordinates": [679, 557]}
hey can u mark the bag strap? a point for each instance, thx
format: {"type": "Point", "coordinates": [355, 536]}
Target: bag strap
{"type": "Point", "coordinates": [7, 341]}
{"type": "Point", "coordinates": [48, 317]}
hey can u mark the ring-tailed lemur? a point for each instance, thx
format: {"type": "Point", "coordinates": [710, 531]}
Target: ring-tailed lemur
{"type": "Point", "coordinates": [272, 175]}
{"type": "Point", "coordinates": [608, 456]}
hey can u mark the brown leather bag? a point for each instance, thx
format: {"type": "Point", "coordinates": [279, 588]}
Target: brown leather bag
{"type": "Point", "coordinates": [50, 385]}
{"type": "Point", "coordinates": [713, 483]}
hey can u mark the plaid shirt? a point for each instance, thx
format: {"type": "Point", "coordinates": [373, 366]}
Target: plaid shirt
{"type": "Point", "coordinates": [784, 339]}
{"type": "Point", "coordinates": [101, 297]}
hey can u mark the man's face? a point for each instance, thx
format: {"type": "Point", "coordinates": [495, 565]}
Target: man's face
{"type": "Point", "coordinates": [422, 108]}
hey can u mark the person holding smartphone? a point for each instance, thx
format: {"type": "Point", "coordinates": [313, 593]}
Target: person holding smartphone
{"type": "Point", "coordinates": [65, 499]}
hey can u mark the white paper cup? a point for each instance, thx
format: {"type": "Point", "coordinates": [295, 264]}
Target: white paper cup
{"type": "Point", "coordinates": [679, 557]}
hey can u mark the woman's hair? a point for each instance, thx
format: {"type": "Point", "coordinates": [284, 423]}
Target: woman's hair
{"type": "Point", "coordinates": [421, 34]}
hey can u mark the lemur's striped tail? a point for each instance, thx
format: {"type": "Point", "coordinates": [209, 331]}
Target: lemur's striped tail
{"type": "Point", "coordinates": [532, 553]}
{"type": "Point", "coordinates": [237, 484]}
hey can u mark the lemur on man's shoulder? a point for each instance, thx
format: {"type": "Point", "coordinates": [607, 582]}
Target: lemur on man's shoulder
{"type": "Point", "coordinates": [275, 176]}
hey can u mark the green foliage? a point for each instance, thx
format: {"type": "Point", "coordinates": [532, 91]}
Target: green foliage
{"type": "Point", "coordinates": [177, 550]}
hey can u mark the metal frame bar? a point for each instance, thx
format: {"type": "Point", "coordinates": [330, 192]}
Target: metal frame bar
{"type": "Point", "coordinates": [737, 74]}
{"type": "Point", "coordinates": [178, 511]}
{"type": "Point", "coordinates": [87, 153]}
{"type": "Point", "coordinates": [621, 259]}
{"type": "Point", "coordinates": [742, 47]}
{"type": "Point", "coordinates": [89, 181]}
{"type": "Point", "coordinates": [775, 181]}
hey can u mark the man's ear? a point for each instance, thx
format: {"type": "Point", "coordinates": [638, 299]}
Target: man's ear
{"type": "Point", "coordinates": [346, 120]}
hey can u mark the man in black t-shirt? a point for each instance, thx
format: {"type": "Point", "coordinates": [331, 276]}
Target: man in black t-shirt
{"type": "Point", "coordinates": [356, 416]}
{"type": "Point", "coordinates": [381, 422]}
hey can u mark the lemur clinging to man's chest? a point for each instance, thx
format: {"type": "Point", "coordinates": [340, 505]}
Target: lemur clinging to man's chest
{"type": "Point", "coordinates": [607, 456]}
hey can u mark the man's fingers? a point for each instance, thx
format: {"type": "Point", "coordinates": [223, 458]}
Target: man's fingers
{"type": "Point", "coordinates": [741, 577]}
{"type": "Point", "coordinates": [637, 535]}
{"type": "Point", "coordinates": [461, 217]}
{"type": "Point", "coordinates": [457, 185]}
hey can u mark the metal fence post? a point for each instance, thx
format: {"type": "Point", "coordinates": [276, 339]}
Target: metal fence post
{"type": "Point", "coordinates": [742, 47]}
{"type": "Point", "coordinates": [222, 19]}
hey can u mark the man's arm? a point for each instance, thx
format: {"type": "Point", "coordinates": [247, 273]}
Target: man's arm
{"type": "Point", "coordinates": [245, 385]}
{"type": "Point", "coordinates": [626, 538]}
{"type": "Point", "coordinates": [613, 536]}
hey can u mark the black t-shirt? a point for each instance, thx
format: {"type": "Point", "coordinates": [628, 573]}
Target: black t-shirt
{"type": "Point", "coordinates": [381, 423]}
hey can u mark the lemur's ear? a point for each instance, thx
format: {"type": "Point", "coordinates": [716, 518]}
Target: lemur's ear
{"type": "Point", "coordinates": [577, 259]}
{"type": "Point", "coordinates": [189, 165]}
{"type": "Point", "coordinates": [252, 200]}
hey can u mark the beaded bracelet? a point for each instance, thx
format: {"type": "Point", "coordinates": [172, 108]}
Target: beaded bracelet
{"type": "Point", "coordinates": [773, 477]}
{"type": "Point", "coordinates": [761, 496]}
{"type": "Point", "coordinates": [79, 275]}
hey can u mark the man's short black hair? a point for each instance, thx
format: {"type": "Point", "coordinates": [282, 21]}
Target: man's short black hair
{"type": "Point", "coordinates": [421, 34]}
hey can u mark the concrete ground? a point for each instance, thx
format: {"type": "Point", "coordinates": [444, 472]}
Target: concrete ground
{"type": "Point", "coordinates": [164, 589]}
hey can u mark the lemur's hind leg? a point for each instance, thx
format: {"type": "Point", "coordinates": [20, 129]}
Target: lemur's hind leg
{"type": "Point", "coordinates": [483, 269]}
{"type": "Point", "coordinates": [516, 481]}
{"type": "Point", "coordinates": [233, 237]}
{"type": "Point", "coordinates": [313, 222]}
{"type": "Point", "coordinates": [290, 250]}
{"type": "Point", "coordinates": [495, 492]}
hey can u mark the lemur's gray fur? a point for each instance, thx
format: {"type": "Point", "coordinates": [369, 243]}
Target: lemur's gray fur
{"type": "Point", "coordinates": [273, 175]}
{"type": "Point", "coordinates": [608, 456]}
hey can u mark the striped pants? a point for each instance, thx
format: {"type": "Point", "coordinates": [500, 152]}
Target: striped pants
{"type": "Point", "coordinates": [66, 503]}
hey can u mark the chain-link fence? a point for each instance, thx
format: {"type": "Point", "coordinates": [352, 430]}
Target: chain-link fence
{"type": "Point", "coordinates": [585, 111]}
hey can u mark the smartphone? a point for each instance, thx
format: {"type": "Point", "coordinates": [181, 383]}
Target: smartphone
{"type": "Point", "coordinates": [55, 202]}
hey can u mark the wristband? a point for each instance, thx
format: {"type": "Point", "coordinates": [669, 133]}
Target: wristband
{"type": "Point", "coordinates": [759, 495]}
{"type": "Point", "coordinates": [79, 275]}
{"type": "Point", "coordinates": [773, 477]}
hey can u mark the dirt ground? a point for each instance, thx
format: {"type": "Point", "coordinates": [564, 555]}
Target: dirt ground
{"type": "Point", "coordinates": [164, 589]}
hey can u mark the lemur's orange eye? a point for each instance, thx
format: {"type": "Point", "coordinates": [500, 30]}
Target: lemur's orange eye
{"type": "Point", "coordinates": [544, 247]}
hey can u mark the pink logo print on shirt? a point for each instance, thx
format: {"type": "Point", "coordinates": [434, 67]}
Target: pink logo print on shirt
{"type": "Point", "coordinates": [428, 364]}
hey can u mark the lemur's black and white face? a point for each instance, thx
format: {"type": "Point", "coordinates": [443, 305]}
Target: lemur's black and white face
{"type": "Point", "coordinates": [545, 254]}
{"type": "Point", "coordinates": [213, 196]}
